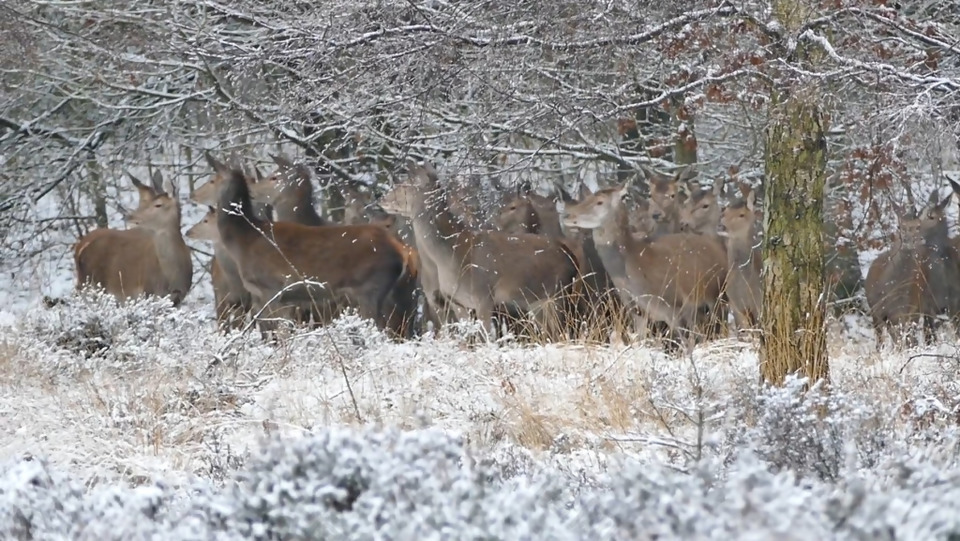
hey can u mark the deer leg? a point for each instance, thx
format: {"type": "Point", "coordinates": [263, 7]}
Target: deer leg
{"type": "Point", "coordinates": [485, 316]}
{"type": "Point", "coordinates": [930, 325]}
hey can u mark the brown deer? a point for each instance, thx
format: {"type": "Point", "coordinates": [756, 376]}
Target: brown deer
{"type": "Point", "coordinates": [289, 190]}
{"type": "Point", "coordinates": [483, 270]}
{"type": "Point", "coordinates": [918, 278]}
{"type": "Point", "coordinates": [744, 287]}
{"type": "Point", "coordinates": [700, 209]}
{"type": "Point", "coordinates": [292, 264]}
{"type": "Point", "coordinates": [294, 202]}
{"type": "Point", "coordinates": [666, 196]}
{"type": "Point", "coordinates": [362, 208]}
{"type": "Point", "coordinates": [671, 278]}
{"type": "Point", "coordinates": [699, 212]}
{"type": "Point", "coordinates": [527, 212]}
{"type": "Point", "coordinates": [150, 258]}
{"type": "Point", "coordinates": [231, 300]}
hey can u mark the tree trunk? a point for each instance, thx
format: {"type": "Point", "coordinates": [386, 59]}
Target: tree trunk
{"type": "Point", "coordinates": [97, 191]}
{"type": "Point", "coordinates": [685, 139]}
{"type": "Point", "coordinates": [794, 289]}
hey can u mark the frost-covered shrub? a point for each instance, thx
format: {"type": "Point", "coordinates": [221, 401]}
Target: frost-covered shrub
{"type": "Point", "coordinates": [424, 485]}
{"type": "Point", "coordinates": [93, 328]}
{"type": "Point", "coordinates": [37, 503]}
{"type": "Point", "coordinates": [339, 484]}
{"type": "Point", "coordinates": [810, 432]}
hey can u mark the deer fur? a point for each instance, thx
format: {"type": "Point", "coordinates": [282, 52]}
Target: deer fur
{"type": "Point", "coordinates": [482, 270]}
{"type": "Point", "coordinates": [150, 258]}
{"type": "Point", "coordinates": [669, 278]}
{"type": "Point", "coordinates": [918, 278]}
{"type": "Point", "coordinates": [744, 287]}
{"type": "Point", "coordinates": [362, 263]}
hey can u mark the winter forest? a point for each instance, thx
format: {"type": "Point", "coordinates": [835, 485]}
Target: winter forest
{"type": "Point", "coordinates": [434, 269]}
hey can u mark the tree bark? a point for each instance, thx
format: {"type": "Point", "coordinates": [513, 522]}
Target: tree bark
{"type": "Point", "coordinates": [97, 190]}
{"type": "Point", "coordinates": [794, 289]}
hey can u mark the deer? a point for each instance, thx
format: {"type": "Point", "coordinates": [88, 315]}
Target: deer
{"type": "Point", "coordinates": [666, 195]}
{"type": "Point", "coordinates": [289, 191]}
{"type": "Point", "coordinates": [528, 212]}
{"type": "Point", "coordinates": [291, 199]}
{"type": "Point", "coordinates": [362, 208]}
{"type": "Point", "coordinates": [231, 300]}
{"type": "Point", "coordinates": [150, 258]}
{"type": "Point", "coordinates": [740, 223]}
{"type": "Point", "coordinates": [670, 278]}
{"type": "Point", "coordinates": [699, 210]}
{"type": "Point", "coordinates": [293, 264]}
{"type": "Point", "coordinates": [918, 278]}
{"type": "Point", "coordinates": [483, 270]}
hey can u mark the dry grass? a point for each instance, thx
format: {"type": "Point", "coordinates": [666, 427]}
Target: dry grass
{"type": "Point", "coordinates": [176, 412]}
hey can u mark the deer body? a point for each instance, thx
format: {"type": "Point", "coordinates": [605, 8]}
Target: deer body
{"type": "Point", "coordinates": [360, 262]}
{"type": "Point", "coordinates": [669, 278]}
{"type": "Point", "coordinates": [149, 259]}
{"type": "Point", "coordinates": [744, 286]}
{"type": "Point", "coordinates": [481, 270]}
{"type": "Point", "coordinates": [918, 279]}
{"type": "Point", "coordinates": [290, 192]}
{"type": "Point", "coordinates": [231, 300]}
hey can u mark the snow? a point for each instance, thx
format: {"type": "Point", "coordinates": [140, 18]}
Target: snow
{"type": "Point", "coordinates": [143, 421]}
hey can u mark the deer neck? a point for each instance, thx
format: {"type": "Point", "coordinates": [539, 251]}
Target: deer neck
{"type": "Point", "coordinates": [937, 241]}
{"type": "Point", "coordinates": [227, 264]}
{"type": "Point", "coordinates": [437, 230]}
{"type": "Point", "coordinates": [613, 241]}
{"type": "Point", "coordinates": [742, 249]}
{"type": "Point", "coordinates": [300, 211]}
{"type": "Point", "coordinates": [173, 255]}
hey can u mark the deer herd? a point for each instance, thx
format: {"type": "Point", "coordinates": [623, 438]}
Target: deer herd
{"type": "Point", "coordinates": [679, 260]}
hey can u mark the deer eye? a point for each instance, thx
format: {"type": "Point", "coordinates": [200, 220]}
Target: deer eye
{"type": "Point", "coordinates": [599, 203]}
{"type": "Point", "coordinates": [158, 205]}
{"type": "Point", "coordinates": [706, 206]}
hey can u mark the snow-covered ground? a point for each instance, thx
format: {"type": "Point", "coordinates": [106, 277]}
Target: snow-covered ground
{"type": "Point", "coordinates": [144, 422]}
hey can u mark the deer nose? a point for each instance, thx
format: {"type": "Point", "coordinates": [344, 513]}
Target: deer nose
{"type": "Point", "coordinates": [656, 216]}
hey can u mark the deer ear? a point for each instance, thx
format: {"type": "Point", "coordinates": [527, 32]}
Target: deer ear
{"type": "Point", "coordinates": [718, 186]}
{"type": "Point", "coordinates": [212, 162]}
{"type": "Point", "coordinates": [687, 173]}
{"type": "Point", "coordinates": [751, 201]}
{"type": "Point", "coordinates": [137, 183]}
{"type": "Point", "coordinates": [621, 191]}
{"type": "Point", "coordinates": [282, 161]}
{"type": "Point", "coordinates": [157, 180]}
{"type": "Point", "coordinates": [942, 204]}
{"type": "Point", "coordinates": [170, 188]}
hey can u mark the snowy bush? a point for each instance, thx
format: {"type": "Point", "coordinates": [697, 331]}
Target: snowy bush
{"type": "Point", "coordinates": [341, 483]}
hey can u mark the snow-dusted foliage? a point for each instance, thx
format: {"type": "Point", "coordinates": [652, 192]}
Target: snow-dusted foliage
{"type": "Point", "coordinates": [140, 421]}
{"type": "Point", "coordinates": [337, 483]}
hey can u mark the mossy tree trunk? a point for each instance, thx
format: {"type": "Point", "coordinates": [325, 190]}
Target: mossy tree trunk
{"type": "Point", "coordinates": [685, 139]}
{"type": "Point", "coordinates": [794, 286]}
{"type": "Point", "coordinates": [97, 190]}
